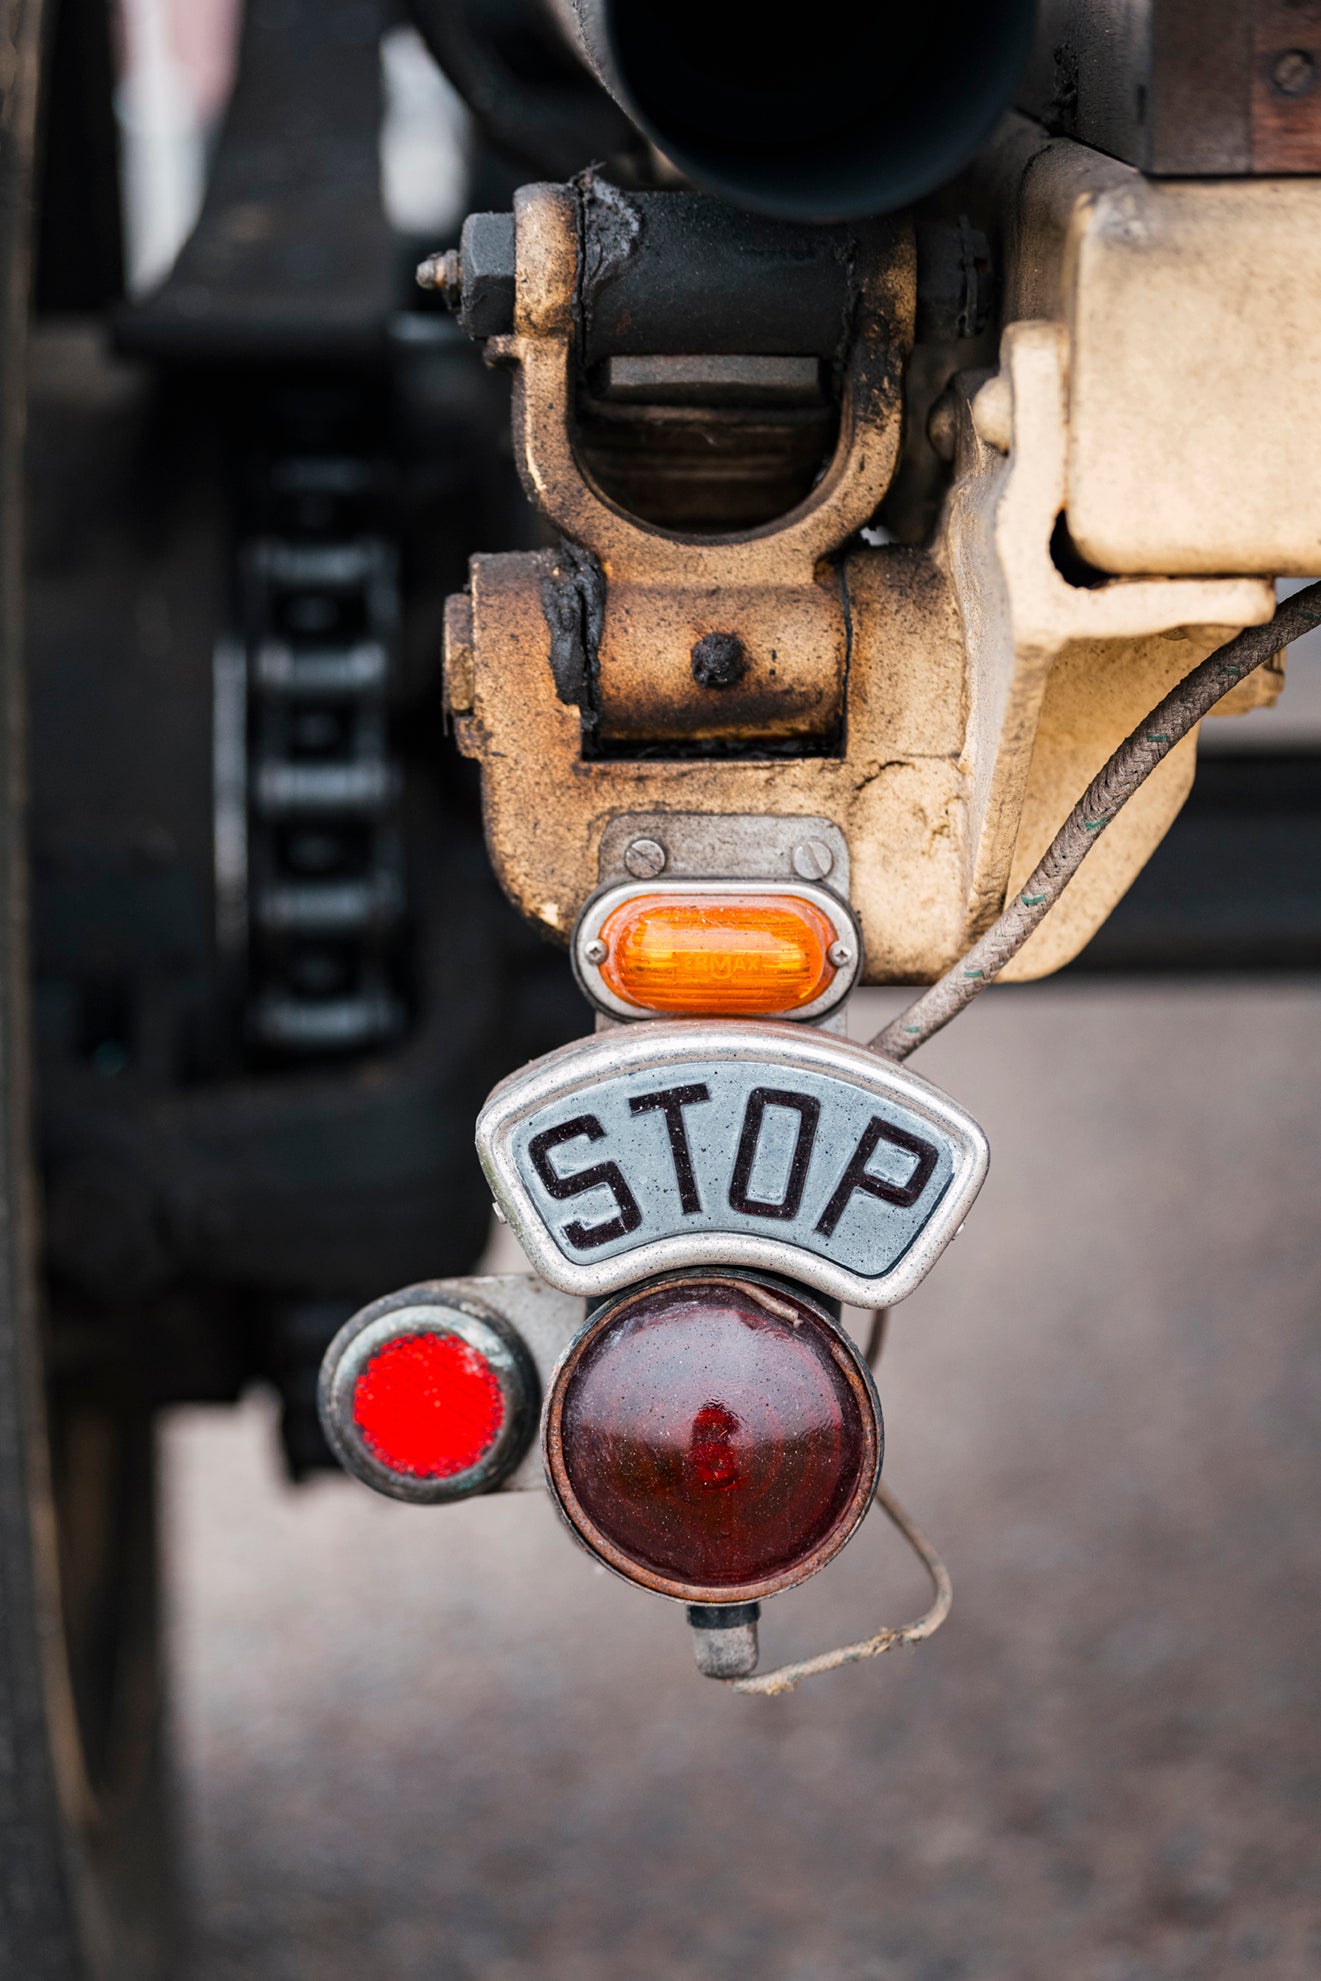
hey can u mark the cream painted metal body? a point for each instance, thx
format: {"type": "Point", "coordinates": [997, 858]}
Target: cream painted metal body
{"type": "Point", "coordinates": [1190, 312]}
{"type": "Point", "coordinates": [1140, 395]}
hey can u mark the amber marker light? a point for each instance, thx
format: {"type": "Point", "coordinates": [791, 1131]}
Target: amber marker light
{"type": "Point", "coordinates": [742, 955]}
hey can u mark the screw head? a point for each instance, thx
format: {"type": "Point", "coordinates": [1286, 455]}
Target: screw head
{"type": "Point", "coordinates": [719, 660]}
{"type": "Point", "coordinates": [1294, 72]}
{"type": "Point", "coordinates": [839, 954]}
{"type": "Point", "coordinates": [645, 858]}
{"type": "Point", "coordinates": [812, 859]}
{"type": "Point", "coordinates": [595, 951]}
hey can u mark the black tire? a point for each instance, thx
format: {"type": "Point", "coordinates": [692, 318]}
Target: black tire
{"type": "Point", "coordinates": [84, 1864]}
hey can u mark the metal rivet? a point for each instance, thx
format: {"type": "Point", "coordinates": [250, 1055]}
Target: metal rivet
{"type": "Point", "coordinates": [839, 954]}
{"type": "Point", "coordinates": [1294, 72]}
{"type": "Point", "coordinates": [812, 859]}
{"type": "Point", "coordinates": [645, 858]}
{"type": "Point", "coordinates": [595, 951]}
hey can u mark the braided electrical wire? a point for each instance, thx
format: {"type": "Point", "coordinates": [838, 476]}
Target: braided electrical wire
{"type": "Point", "coordinates": [1129, 767]}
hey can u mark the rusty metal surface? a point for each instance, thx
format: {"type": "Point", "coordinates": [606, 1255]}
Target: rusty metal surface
{"type": "Point", "coordinates": [772, 586]}
{"type": "Point", "coordinates": [548, 805]}
{"type": "Point", "coordinates": [939, 781]}
{"type": "Point", "coordinates": [1183, 88]}
{"type": "Point", "coordinates": [437, 1744]}
{"type": "Point", "coordinates": [942, 707]}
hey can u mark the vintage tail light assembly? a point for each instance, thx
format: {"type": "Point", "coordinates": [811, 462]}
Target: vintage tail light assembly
{"type": "Point", "coordinates": [698, 1188]}
{"type": "Point", "coordinates": [697, 1195]}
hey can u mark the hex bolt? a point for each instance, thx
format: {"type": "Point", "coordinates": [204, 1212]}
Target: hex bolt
{"type": "Point", "coordinates": [719, 660]}
{"type": "Point", "coordinates": [595, 951]}
{"type": "Point", "coordinates": [645, 858]}
{"type": "Point", "coordinates": [443, 272]}
{"type": "Point", "coordinates": [488, 253]}
{"type": "Point", "coordinates": [839, 954]}
{"type": "Point", "coordinates": [1294, 72]}
{"type": "Point", "coordinates": [812, 859]}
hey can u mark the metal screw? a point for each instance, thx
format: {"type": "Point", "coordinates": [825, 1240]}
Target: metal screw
{"type": "Point", "coordinates": [595, 951]}
{"type": "Point", "coordinates": [443, 272]}
{"type": "Point", "coordinates": [645, 858]}
{"type": "Point", "coordinates": [719, 661]}
{"type": "Point", "coordinates": [812, 859]}
{"type": "Point", "coordinates": [1294, 72]}
{"type": "Point", "coordinates": [839, 954]}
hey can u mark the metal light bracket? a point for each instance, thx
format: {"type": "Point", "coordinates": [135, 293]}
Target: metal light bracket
{"type": "Point", "coordinates": [727, 846]}
{"type": "Point", "coordinates": [517, 1325]}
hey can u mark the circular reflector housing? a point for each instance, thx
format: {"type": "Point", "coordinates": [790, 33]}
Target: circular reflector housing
{"type": "Point", "coordinates": [714, 1439]}
{"type": "Point", "coordinates": [426, 1399]}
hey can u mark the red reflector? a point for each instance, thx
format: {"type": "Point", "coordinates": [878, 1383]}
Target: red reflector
{"type": "Point", "coordinates": [714, 1439]}
{"type": "Point", "coordinates": [428, 1405]}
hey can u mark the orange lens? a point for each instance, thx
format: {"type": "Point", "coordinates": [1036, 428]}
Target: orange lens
{"type": "Point", "coordinates": [736, 956]}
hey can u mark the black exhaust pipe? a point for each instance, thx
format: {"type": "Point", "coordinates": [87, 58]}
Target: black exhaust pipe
{"type": "Point", "coordinates": [849, 108]}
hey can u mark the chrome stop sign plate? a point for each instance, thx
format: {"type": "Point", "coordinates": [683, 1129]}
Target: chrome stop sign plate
{"type": "Point", "coordinates": [696, 1143]}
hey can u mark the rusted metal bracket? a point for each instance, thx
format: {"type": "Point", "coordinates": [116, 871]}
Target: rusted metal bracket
{"type": "Point", "coordinates": [625, 649]}
{"type": "Point", "coordinates": [942, 707]}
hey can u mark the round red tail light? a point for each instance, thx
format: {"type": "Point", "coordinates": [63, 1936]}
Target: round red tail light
{"type": "Point", "coordinates": [713, 1439]}
{"type": "Point", "coordinates": [425, 1399]}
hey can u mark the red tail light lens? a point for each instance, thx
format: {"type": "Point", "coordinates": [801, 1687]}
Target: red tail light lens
{"type": "Point", "coordinates": [428, 1405]}
{"type": "Point", "coordinates": [426, 1400]}
{"type": "Point", "coordinates": [713, 1439]}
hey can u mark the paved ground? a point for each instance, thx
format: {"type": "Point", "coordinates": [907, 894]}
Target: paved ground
{"type": "Point", "coordinates": [424, 1744]}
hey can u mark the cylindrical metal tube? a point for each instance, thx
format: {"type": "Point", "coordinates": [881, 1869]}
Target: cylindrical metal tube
{"type": "Point", "coordinates": [694, 274]}
{"type": "Point", "coordinates": [857, 109]}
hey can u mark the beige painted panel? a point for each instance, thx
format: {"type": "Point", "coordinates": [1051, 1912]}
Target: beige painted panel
{"type": "Point", "coordinates": [1195, 334]}
{"type": "Point", "coordinates": [1095, 697]}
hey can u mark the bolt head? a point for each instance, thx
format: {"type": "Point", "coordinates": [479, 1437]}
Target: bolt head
{"type": "Point", "coordinates": [1294, 73]}
{"type": "Point", "coordinates": [645, 858]}
{"type": "Point", "coordinates": [719, 660]}
{"type": "Point", "coordinates": [488, 267]}
{"type": "Point", "coordinates": [812, 859]}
